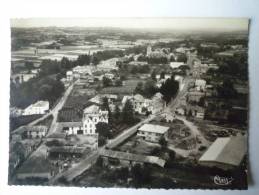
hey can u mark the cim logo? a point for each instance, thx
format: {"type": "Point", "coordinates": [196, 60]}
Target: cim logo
{"type": "Point", "coordinates": [223, 181]}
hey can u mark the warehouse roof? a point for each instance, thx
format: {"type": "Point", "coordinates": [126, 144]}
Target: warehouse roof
{"type": "Point", "coordinates": [229, 150]}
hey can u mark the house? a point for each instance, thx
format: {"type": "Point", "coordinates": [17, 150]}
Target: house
{"type": "Point", "coordinates": [109, 75]}
{"type": "Point", "coordinates": [225, 153]}
{"type": "Point", "coordinates": [93, 115]}
{"type": "Point", "coordinates": [176, 64]}
{"type": "Point", "coordinates": [200, 84]}
{"type": "Point", "coordinates": [157, 104]}
{"type": "Point", "coordinates": [126, 98]}
{"type": "Point", "coordinates": [168, 117]}
{"type": "Point", "coordinates": [30, 132]}
{"type": "Point", "coordinates": [179, 79]}
{"type": "Point", "coordinates": [72, 128]}
{"type": "Point", "coordinates": [35, 132]}
{"type": "Point", "coordinates": [180, 110]}
{"type": "Point", "coordinates": [40, 107]}
{"type": "Point", "coordinates": [196, 111]}
{"type": "Point", "coordinates": [69, 76]}
{"type": "Point", "coordinates": [108, 65]}
{"type": "Point", "coordinates": [153, 133]}
{"type": "Point", "coordinates": [22, 77]}
{"type": "Point", "coordinates": [195, 96]}
{"type": "Point", "coordinates": [35, 167]}
{"type": "Point", "coordinates": [138, 103]}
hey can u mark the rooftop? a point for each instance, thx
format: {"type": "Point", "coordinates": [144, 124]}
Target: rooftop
{"type": "Point", "coordinates": [154, 128]}
{"type": "Point", "coordinates": [134, 157]}
{"type": "Point", "coordinates": [35, 165]}
{"type": "Point", "coordinates": [230, 150]}
{"type": "Point", "coordinates": [92, 109]}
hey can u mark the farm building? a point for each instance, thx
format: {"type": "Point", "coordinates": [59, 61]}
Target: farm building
{"type": "Point", "coordinates": [152, 133]}
{"type": "Point", "coordinates": [40, 107]}
{"type": "Point", "coordinates": [225, 153]}
{"type": "Point", "coordinates": [31, 132]}
{"type": "Point", "coordinates": [62, 152]}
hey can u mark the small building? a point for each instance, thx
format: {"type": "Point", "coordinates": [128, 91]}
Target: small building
{"type": "Point", "coordinates": [72, 128]}
{"type": "Point", "coordinates": [157, 103]}
{"type": "Point", "coordinates": [70, 76]}
{"type": "Point", "coordinates": [40, 107]}
{"type": "Point", "coordinates": [35, 132]}
{"type": "Point", "coordinates": [30, 132]}
{"type": "Point", "coordinates": [200, 84]}
{"type": "Point", "coordinates": [180, 110]}
{"type": "Point", "coordinates": [176, 64]}
{"type": "Point", "coordinates": [153, 133]}
{"type": "Point", "coordinates": [225, 153]}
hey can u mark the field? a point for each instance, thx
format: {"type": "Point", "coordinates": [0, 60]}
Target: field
{"type": "Point", "coordinates": [128, 88]}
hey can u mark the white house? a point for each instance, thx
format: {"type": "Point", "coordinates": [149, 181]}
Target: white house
{"type": "Point", "coordinates": [157, 104]}
{"type": "Point", "coordinates": [153, 133]}
{"type": "Point", "coordinates": [72, 128]}
{"type": "Point", "coordinates": [176, 64]}
{"type": "Point", "coordinates": [200, 84]}
{"type": "Point", "coordinates": [69, 75]}
{"type": "Point", "coordinates": [180, 81]}
{"type": "Point", "coordinates": [93, 115]}
{"type": "Point", "coordinates": [40, 107]}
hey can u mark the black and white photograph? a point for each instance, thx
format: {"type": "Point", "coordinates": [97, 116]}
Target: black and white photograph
{"type": "Point", "coordinates": [153, 103]}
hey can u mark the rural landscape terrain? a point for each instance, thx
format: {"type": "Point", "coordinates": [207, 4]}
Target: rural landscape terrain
{"type": "Point", "coordinates": [130, 108]}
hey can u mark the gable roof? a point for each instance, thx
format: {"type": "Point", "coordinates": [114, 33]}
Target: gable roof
{"type": "Point", "coordinates": [229, 150]}
{"type": "Point", "coordinates": [154, 128]}
{"type": "Point", "coordinates": [92, 109]}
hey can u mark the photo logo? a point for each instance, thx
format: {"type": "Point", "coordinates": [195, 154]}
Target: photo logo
{"type": "Point", "coordinates": [223, 181]}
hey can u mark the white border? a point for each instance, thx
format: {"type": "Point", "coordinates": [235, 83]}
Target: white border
{"type": "Point", "coordinates": [127, 8]}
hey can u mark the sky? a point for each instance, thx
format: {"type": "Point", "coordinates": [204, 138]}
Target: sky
{"type": "Point", "coordinates": [139, 23]}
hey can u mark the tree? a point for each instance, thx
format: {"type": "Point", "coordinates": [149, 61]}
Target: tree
{"type": "Point", "coordinates": [169, 89]}
{"type": "Point", "coordinates": [162, 75]}
{"type": "Point", "coordinates": [118, 82]}
{"type": "Point", "coordinates": [149, 88]}
{"type": "Point", "coordinates": [103, 129]}
{"type": "Point", "coordinates": [140, 175]}
{"type": "Point", "coordinates": [95, 60]}
{"type": "Point", "coordinates": [139, 88]}
{"type": "Point", "coordinates": [227, 89]}
{"type": "Point", "coordinates": [29, 65]}
{"type": "Point", "coordinates": [117, 113]}
{"type": "Point", "coordinates": [163, 142]}
{"type": "Point", "coordinates": [201, 102]}
{"type": "Point", "coordinates": [153, 75]}
{"type": "Point", "coordinates": [105, 106]}
{"type": "Point", "coordinates": [128, 113]}
{"type": "Point", "coordinates": [107, 82]}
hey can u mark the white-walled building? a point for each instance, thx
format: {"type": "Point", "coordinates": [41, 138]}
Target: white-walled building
{"type": "Point", "coordinates": [200, 84]}
{"type": "Point", "coordinates": [93, 115]}
{"type": "Point", "coordinates": [40, 107]}
{"type": "Point", "coordinates": [153, 133]}
{"type": "Point", "coordinates": [69, 75]}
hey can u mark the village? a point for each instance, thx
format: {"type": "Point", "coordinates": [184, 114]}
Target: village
{"type": "Point", "coordinates": [165, 106]}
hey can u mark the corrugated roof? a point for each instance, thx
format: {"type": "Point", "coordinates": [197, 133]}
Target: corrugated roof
{"type": "Point", "coordinates": [154, 128]}
{"type": "Point", "coordinates": [230, 150]}
{"type": "Point", "coordinates": [133, 157]}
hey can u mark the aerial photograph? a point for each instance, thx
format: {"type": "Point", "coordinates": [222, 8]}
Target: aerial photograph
{"type": "Point", "coordinates": [157, 103]}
